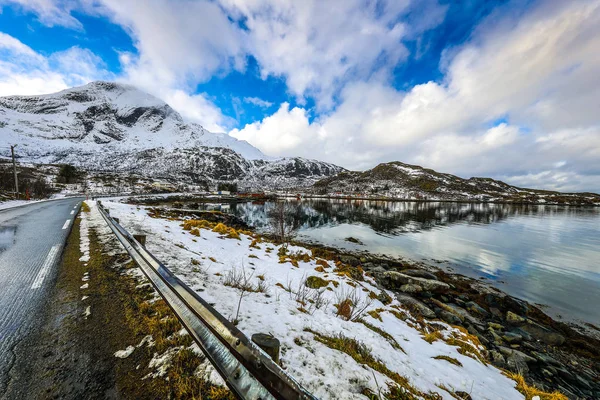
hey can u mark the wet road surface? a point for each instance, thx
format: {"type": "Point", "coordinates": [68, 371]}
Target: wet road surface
{"type": "Point", "coordinates": [32, 238]}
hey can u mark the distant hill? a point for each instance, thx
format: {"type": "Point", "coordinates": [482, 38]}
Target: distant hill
{"type": "Point", "coordinates": [405, 181]}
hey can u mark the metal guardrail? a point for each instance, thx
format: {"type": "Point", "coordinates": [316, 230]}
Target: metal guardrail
{"type": "Point", "coordinates": [249, 372]}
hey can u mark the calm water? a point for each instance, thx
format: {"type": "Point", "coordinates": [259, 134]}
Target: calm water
{"type": "Point", "coordinates": [548, 255]}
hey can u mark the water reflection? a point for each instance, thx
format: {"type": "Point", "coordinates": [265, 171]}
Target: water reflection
{"type": "Point", "coordinates": [545, 254]}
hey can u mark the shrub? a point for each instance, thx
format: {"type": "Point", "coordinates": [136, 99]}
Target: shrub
{"type": "Point", "coordinates": [350, 304]}
{"type": "Point", "coordinates": [315, 282]}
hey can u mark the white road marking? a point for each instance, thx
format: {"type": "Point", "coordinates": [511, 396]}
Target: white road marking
{"type": "Point", "coordinates": [66, 225]}
{"type": "Point", "coordinates": [72, 212]}
{"type": "Point", "coordinates": [50, 258]}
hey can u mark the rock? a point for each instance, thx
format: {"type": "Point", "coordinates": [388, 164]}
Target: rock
{"type": "Point", "coordinates": [547, 373]}
{"type": "Point", "coordinates": [476, 308]}
{"type": "Point", "coordinates": [511, 337]}
{"type": "Point", "coordinates": [384, 297]}
{"type": "Point", "coordinates": [396, 279]}
{"type": "Point", "coordinates": [458, 311]}
{"type": "Point", "coordinates": [348, 259]}
{"type": "Point", "coordinates": [525, 335]}
{"type": "Point", "coordinates": [367, 265]}
{"type": "Point", "coordinates": [516, 360]}
{"type": "Point", "coordinates": [483, 340]}
{"type": "Point", "coordinates": [583, 383]}
{"type": "Point", "coordinates": [463, 395]}
{"type": "Point", "coordinates": [493, 300]}
{"type": "Point", "coordinates": [496, 312]}
{"type": "Point", "coordinates": [515, 305]}
{"type": "Point", "coordinates": [378, 270]}
{"type": "Point", "coordinates": [497, 339]}
{"type": "Point", "coordinates": [544, 335]}
{"type": "Point", "coordinates": [497, 359]}
{"type": "Point", "coordinates": [415, 305]}
{"type": "Point", "coordinates": [419, 273]}
{"type": "Point", "coordinates": [411, 288]}
{"type": "Point", "coordinates": [514, 319]}
{"type": "Point", "coordinates": [495, 326]}
{"type": "Point", "coordinates": [448, 317]}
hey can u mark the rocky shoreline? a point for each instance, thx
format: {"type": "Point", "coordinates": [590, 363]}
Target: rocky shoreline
{"type": "Point", "coordinates": [519, 337]}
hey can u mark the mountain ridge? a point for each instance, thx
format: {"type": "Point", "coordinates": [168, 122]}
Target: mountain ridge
{"type": "Point", "coordinates": [399, 180]}
{"type": "Point", "coordinates": [114, 127]}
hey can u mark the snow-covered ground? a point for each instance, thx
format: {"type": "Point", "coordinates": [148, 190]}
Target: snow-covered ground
{"type": "Point", "coordinates": [206, 261]}
{"type": "Point", "coordinates": [16, 203]}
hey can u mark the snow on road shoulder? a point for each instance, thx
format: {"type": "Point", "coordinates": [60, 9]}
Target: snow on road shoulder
{"type": "Point", "coordinates": [5, 205]}
{"type": "Point", "coordinates": [84, 231]}
{"type": "Point", "coordinates": [307, 320]}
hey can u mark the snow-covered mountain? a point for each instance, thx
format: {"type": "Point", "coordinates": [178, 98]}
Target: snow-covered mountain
{"type": "Point", "coordinates": [405, 181]}
{"type": "Point", "coordinates": [113, 127]}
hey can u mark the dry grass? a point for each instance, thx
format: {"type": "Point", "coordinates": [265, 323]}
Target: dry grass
{"type": "Point", "coordinates": [356, 273]}
{"type": "Point", "coordinates": [468, 345]}
{"type": "Point", "coordinates": [85, 208]}
{"type": "Point", "coordinates": [375, 314]}
{"type": "Point", "coordinates": [529, 391]}
{"type": "Point", "coordinates": [451, 360]}
{"type": "Point", "coordinates": [431, 337]}
{"type": "Point", "coordinates": [226, 231]}
{"type": "Point", "coordinates": [384, 334]}
{"type": "Point", "coordinates": [143, 316]}
{"type": "Point", "coordinates": [362, 355]}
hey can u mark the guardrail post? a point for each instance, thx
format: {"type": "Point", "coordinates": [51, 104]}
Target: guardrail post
{"type": "Point", "coordinates": [141, 239]}
{"type": "Point", "coordinates": [116, 220]}
{"type": "Point", "coordinates": [270, 344]}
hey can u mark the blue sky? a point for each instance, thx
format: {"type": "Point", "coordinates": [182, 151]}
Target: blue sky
{"type": "Point", "coordinates": [506, 89]}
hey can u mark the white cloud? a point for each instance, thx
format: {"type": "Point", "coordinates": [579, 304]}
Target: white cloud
{"type": "Point", "coordinates": [283, 131]}
{"type": "Point", "coordinates": [197, 108]}
{"type": "Point", "coordinates": [49, 12]}
{"type": "Point", "coordinates": [539, 70]}
{"type": "Point", "coordinates": [180, 43]}
{"type": "Point", "coordinates": [26, 72]}
{"type": "Point", "coordinates": [258, 102]}
{"type": "Point", "coordinates": [318, 46]}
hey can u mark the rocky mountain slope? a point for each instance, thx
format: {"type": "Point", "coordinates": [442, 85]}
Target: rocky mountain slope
{"type": "Point", "coordinates": [404, 181]}
{"type": "Point", "coordinates": [112, 127]}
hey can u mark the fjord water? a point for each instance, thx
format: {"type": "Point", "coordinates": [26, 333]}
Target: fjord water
{"type": "Point", "coordinates": [549, 255]}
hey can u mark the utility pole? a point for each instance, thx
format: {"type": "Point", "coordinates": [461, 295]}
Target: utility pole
{"type": "Point", "coordinates": [12, 150]}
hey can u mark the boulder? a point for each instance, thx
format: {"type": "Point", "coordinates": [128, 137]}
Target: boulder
{"type": "Point", "coordinates": [351, 260]}
{"type": "Point", "coordinates": [543, 334]}
{"type": "Point", "coordinates": [476, 308]}
{"type": "Point", "coordinates": [448, 317]}
{"type": "Point", "coordinates": [419, 273]}
{"type": "Point", "coordinates": [497, 359]}
{"type": "Point", "coordinates": [512, 338]}
{"type": "Point", "coordinates": [516, 360]}
{"type": "Point", "coordinates": [414, 305]}
{"type": "Point", "coordinates": [411, 288]}
{"type": "Point", "coordinates": [495, 326]}
{"type": "Point", "coordinates": [460, 312]}
{"type": "Point", "coordinates": [397, 279]}
{"type": "Point", "coordinates": [515, 305]}
{"type": "Point", "coordinates": [514, 319]}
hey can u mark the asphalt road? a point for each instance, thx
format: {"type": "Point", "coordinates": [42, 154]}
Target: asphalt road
{"type": "Point", "coordinates": [32, 238]}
